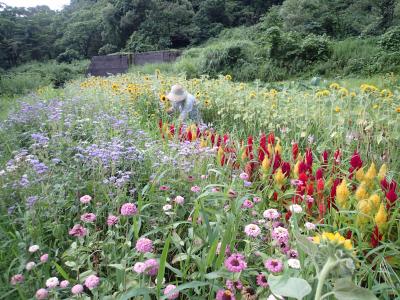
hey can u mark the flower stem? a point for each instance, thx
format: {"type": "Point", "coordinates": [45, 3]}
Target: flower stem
{"type": "Point", "coordinates": [330, 263]}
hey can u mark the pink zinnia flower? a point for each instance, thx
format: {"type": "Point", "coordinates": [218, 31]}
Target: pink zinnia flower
{"type": "Point", "coordinates": [273, 265]}
{"type": "Point", "coordinates": [225, 295]}
{"type": "Point", "coordinates": [144, 245]}
{"type": "Point", "coordinates": [17, 278]}
{"type": "Point", "coordinates": [41, 294]}
{"type": "Point", "coordinates": [234, 285]}
{"type": "Point", "coordinates": [92, 281]}
{"type": "Point", "coordinates": [52, 282]}
{"type": "Point", "coordinates": [167, 292]}
{"type": "Point", "coordinates": [77, 289]}
{"type": "Point", "coordinates": [112, 220]}
{"type": "Point", "coordinates": [227, 250]}
{"type": "Point", "coordinates": [44, 258]}
{"type": "Point", "coordinates": [244, 176]}
{"type": "Point", "coordinates": [248, 204]}
{"type": "Point", "coordinates": [195, 189]}
{"type": "Point", "coordinates": [164, 188]}
{"type": "Point", "coordinates": [88, 218]}
{"type": "Point", "coordinates": [262, 280]}
{"type": "Point", "coordinates": [257, 199]}
{"type": "Point", "coordinates": [64, 284]}
{"type": "Point", "coordinates": [271, 214]}
{"type": "Point", "coordinates": [309, 226]}
{"type": "Point", "coordinates": [235, 263]}
{"type": "Point", "coordinates": [280, 234]}
{"type": "Point", "coordinates": [85, 199]}
{"type": "Point", "coordinates": [292, 253]}
{"type": "Point", "coordinates": [179, 200]}
{"type": "Point", "coordinates": [151, 266]}
{"type": "Point", "coordinates": [30, 265]}
{"type": "Point", "coordinates": [78, 230]}
{"type": "Point", "coordinates": [33, 248]}
{"type": "Point", "coordinates": [139, 267]}
{"type": "Point", "coordinates": [252, 230]}
{"type": "Point", "coordinates": [128, 209]}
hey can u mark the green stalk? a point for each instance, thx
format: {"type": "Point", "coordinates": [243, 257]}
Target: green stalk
{"type": "Point", "coordinates": [329, 265]}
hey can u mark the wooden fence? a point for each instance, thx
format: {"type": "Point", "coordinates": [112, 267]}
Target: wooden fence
{"type": "Point", "coordinates": [106, 65]}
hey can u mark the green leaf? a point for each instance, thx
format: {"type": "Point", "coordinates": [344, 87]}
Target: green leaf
{"type": "Point", "coordinates": [163, 260]}
{"type": "Point", "coordinates": [134, 292]}
{"type": "Point", "coordinates": [289, 287]}
{"type": "Point", "coordinates": [345, 289]}
{"type": "Point", "coordinates": [117, 266]}
{"type": "Point", "coordinates": [189, 285]}
{"type": "Point", "coordinates": [61, 271]}
{"type": "Point", "coordinates": [179, 257]}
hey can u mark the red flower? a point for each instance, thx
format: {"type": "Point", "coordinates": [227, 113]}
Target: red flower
{"type": "Point", "coordinates": [375, 237]}
{"type": "Point", "coordinates": [249, 148]}
{"type": "Point", "coordinates": [295, 151]}
{"type": "Point", "coordinates": [275, 196]}
{"type": "Point", "coordinates": [219, 141]}
{"type": "Point", "coordinates": [172, 129]}
{"type": "Point", "coordinates": [277, 162]}
{"type": "Point", "coordinates": [303, 177]}
{"type": "Point", "coordinates": [286, 168]}
{"type": "Point", "coordinates": [331, 201]}
{"type": "Point", "coordinates": [160, 123]}
{"type": "Point", "coordinates": [212, 139]}
{"type": "Point", "coordinates": [309, 158]}
{"type": "Point", "coordinates": [226, 138]}
{"type": "Point", "coordinates": [303, 167]}
{"type": "Point", "coordinates": [319, 174]}
{"type": "Point", "coordinates": [262, 150]}
{"type": "Point", "coordinates": [189, 135]}
{"type": "Point", "coordinates": [356, 161]}
{"type": "Point", "coordinates": [198, 133]}
{"type": "Point", "coordinates": [271, 138]}
{"type": "Point", "coordinates": [325, 156]}
{"type": "Point", "coordinates": [336, 156]}
{"type": "Point", "coordinates": [288, 215]}
{"type": "Point", "coordinates": [386, 186]}
{"type": "Point", "coordinates": [391, 196]}
{"type": "Point", "coordinates": [320, 185]}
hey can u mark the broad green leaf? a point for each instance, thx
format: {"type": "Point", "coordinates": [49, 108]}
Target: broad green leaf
{"type": "Point", "coordinates": [163, 260]}
{"type": "Point", "coordinates": [186, 286]}
{"type": "Point", "coordinates": [61, 271]}
{"type": "Point", "coordinates": [289, 287]}
{"type": "Point", "coordinates": [179, 257]}
{"type": "Point", "coordinates": [134, 292]}
{"type": "Point", "coordinates": [345, 289]}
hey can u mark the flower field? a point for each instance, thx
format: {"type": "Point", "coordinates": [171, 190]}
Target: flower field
{"type": "Point", "coordinates": [286, 192]}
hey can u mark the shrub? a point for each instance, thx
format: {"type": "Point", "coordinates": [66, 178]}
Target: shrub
{"type": "Point", "coordinates": [68, 56]}
{"type": "Point", "coordinates": [390, 41]}
{"type": "Point", "coordinates": [107, 49]}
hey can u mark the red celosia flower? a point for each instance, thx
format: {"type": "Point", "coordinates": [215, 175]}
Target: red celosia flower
{"type": "Point", "coordinates": [320, 185]}
{"type": "Point", "coordinates": [386, 186]}
{"type": "Point", "coordinates": [303, 177]}
{"type": "Point", "coordinates": [336, 156]}
{"type": "Point", "coordinates": [212, 138]}
{"type": "Point", "coordinates": [321, 209]}
{"type": "Point", "coordinates": [349, 234]}
{"type": "Point", "coordinates": [277, 162]}
{"type": "Point", "coordinates": [219, 141]}
{"type": "Point", "coordinates": [226, 138]}
{"type": "Point", "coordinates": [286, 168]}
{"type": "Point", "coordinates": [189, 136]}
{"type": "Point", "coordinates": [303, 167]}
{"type": "Point", "coordinates": [263, 149]}
{"type": "Point", "coordinates": [391, 197]}
{"type": "Point", "coordinates": [288, 215]}
{"type": "Point", "coordinates": [271, 138]}
{"type": "Point", "coordinates": [198, 133]}
{"type": "Point", "coordinates": [325, 156]}
{"type": "Point", "coordinates": [295, 151]}
{"type": "Point", "coordinates": [275, 196]}
{"type": "Point", "coordinates": [375, 237]}
{"type": "Point", "coordinates": [356, 161]}
{"type": "Point", "coordinates": [309, 158]}
{"type": "Point", "coordinates": [172, 129]}
{"type": "Point", "coordinates": [319, 174]}
{"type": "Point", "coordinates": [331, 201]}
{"type": "Point", "coordinates": [249, 148]}
{"type": "Point", "coordinates": [310, 189]}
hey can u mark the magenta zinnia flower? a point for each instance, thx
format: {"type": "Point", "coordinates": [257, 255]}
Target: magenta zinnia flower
{"type": "Point", "coordinates": [168, 290]}
{"type": "Point", "coordinates": [112, 220]}
{"type": "Point", "coordinates": [77, 289]}
{"type": "Point", "coordinates": [17, 278]}
{"type": "Point", "coordinates": [248, 204]}
{"type": "Point", "coordinates": [151, 266]}
{"type": "Point", "coordinates": [225, 295]}
{"type": "Point", "coordinates": [85, 199]}
{"type": "Point", "coordinates": [88, 218]}
{"type": "Point", "coordinates": [41, 294]}
{"type": "Point", "coordinates": [252, 230]}
{"type": "Point", "coordinates": [195, 189]}
{"type": "Point", "coordinates": [78, 230]}
{"type": "Point", "coordinates": [234, 285]}
{"type": "Point", "coordinates": [144, 245]}
{"type": "Point", "coordinates": [273, 265]}
{"type": "Point", "coordinates": [262, 280]}
{"type": "Point", "coordinates": [235, 263]}
{"type": "Point", "coordinates": [128, 209]}
{"type": "Point", "coordinates": [139, 267]}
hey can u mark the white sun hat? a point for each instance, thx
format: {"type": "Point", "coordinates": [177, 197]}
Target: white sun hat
{"type": "Point", "coordinates": [177, 93]}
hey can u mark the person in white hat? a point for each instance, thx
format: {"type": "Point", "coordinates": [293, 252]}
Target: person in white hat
{"type": "Point", "coordinates": [184, 103]}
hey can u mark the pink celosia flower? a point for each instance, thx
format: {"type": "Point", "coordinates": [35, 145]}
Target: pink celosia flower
{"type": "Point", "coordinates": [41, 294]}
{"type": "Point", "coordinates": [17, 278]}
{"type": "Point", "coordinates": [168, 292]}
{"type": "Point", "coordinates": [225, 295]}
{"type": "Point", "coordinates": [88, 218]}
{"type": "Point", "coordinates": [33, 248]}
{"type": "Point", "coordinates": [52, 282]}
{"type": "Point", "coordinates": [78, 230]}
{"type": "Point", "coordinates": [44, 258]}
{"type": "Point", "coordinates": [112, 220]}
{"type": "Point", "coordinates": [235, 263]}
{"type": "Point", "coordinates": [77, 289]}
{"type": "Point", "coordinates": [64, 284]}
{"type": "Point", "coordinates": [128, 209]}
{"type": "Point", "coordinates": [262, 280]}
{"type": "Point", "coordinates": [195, 189]}
{"type": "Point", "coordinates": [151, 266]}
{"type": "Point", "coordinates": [179, 200]}
{"type": "Point", "coordinates": [30, 265]}
{"type": "Point", "coordinates": [144, 245]}
{"type": "Point", "coordinates": [252, 230]}
{"type": "Point", "coordinates": [139, 267]}
{"type": "Point", "coordinates": [85, 199]}
{"type": "Point", "coordinates": [273, 265]}
{"type": "Point", "coordinates": [247, 204]}
{"type": "Point", "coordinates": [271, 214]}
{"type": "Point", "coordinates": [92, 281]}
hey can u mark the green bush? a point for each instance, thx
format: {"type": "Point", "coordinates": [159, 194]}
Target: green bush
{"type": "Point", "coordinates": [390, 41]}
{"type": "Point", "coordinates": [107, 49]}
{"type": "Point", "coordinates": [68, 56]}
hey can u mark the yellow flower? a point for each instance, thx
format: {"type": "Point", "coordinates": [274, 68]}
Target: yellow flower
{"type": "Point", "coordinates": [337, 109]}
{"type": "Point", "coordinates": [296, 168]}
{"type": "Point", "coordinates": [381, 217]}
{"type": "Point", "coordinates": [279, 177]}
{"type": "Point", "coordinates": [334, 238]}
{"type": "Point", "coordinates": [360, 174]}
{"type": "Point", "coordinates": [252, 95]}
{"type": "Point", "coordinates": [322, 93]}
{"type": "Point", "coordinates": [343, 92]}
{"type": "Point", "coordinates": [361, 192]}
{"type": "Point", "coordinates": [386, 93]}
{"type": "Point", "coordinates": [353, 94]}
{"type": "Point", "coordinates": [398, 109]}
{"type": "Point", "coordinates": [278, 148]}
{"type": "Point", "coordinates": [371, 173]}
{"type": "Point", "coordinates": [374, 200]}
{"type": "Point", "coordinates": [368, 88]}
{"type": "Point", "coordinates": [375, 106]}
{"type": "Point", "coordinates": [334, 86]}
{"type": "Point", "coordinates": [207, 102]}
{"type": "Point", "coordinates": [382, 172]}
{"type": "Point", "coordinates": [203, 143]}
{"type": "Point", "coordinates": [163, 98]}
{"type": "Point", "coordinates": [198, 94]}
{"type": "Point", "coordinates": [228, 77]}
{"type": "Point", "coordinates": [265, 164]}
{"type": "Point", "coordinates": [342, 194]}
{"type": "Point", "coordinates": [364, 207]}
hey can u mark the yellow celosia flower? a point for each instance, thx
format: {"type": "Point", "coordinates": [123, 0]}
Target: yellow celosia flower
{"type": "Point", "coordinates": [360, 174]}
{"type": "Point", "coordinates": [371, 173]}
{"type": "Point", "coordinates": [364, 207]}
{"type": "Point", "coordinates": [203, 143]}
{"type": "Point", "coordinates": [342, 194]}
{"type": "Point", "coordinates": [382, 172]}
{"type": "Point", "coordinates": [279, 177]}
{"type": "Point", "coordinates": [361, 192]}
{"type": "Point", "coordinates": [278, 147]}
{"type": "Point", "coordinates": [269, 148]}
{"type": "Point", "coordinates": [265, 164]}
{"type": "Point", "coordinates": [296, 168]}
{"type": "Point", "coordinates": [374, 201]}
{"type": "Point", "coordinates": [381, 217]}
